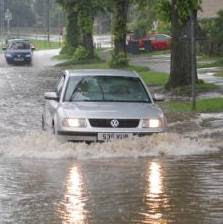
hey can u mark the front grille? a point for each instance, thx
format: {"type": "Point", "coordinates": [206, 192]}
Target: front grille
{"type": "Point", "coordinates": [106, 123]}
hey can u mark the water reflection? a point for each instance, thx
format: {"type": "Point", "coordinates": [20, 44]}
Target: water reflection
{"type": "Point", "coordinates": [156, 200]}
{"type": "Point", "coordinates": [73, 211]}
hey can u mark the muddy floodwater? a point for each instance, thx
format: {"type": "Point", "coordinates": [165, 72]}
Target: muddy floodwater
{"type": "Point", "coordinates": [176, 177]}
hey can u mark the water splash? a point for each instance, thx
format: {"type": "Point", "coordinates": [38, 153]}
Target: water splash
{"type": "Point", "coordinates": [44, 146]}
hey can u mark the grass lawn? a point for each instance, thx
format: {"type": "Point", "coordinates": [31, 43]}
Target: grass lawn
{"type": "Point", "coordinates": [151, 53]}
{"type": "Point", "coordinates": [44, 44]}
{"type": "Point", "coordinates": [215, 62]}
{"type": "Point", "coordinates": [150, 77]}
{"type": "Point", "coordinates": [203, 106]}
{"type": "Point", "coordinates": [219, 73]}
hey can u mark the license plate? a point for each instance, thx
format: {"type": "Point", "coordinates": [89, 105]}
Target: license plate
{"type": "Point", "coordinates": [113, 136]}
{"type": "Point", "coordinates": [19, 59]}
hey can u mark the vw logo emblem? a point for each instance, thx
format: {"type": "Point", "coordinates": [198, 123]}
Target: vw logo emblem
{"type": "Point", "coordinates": [114, 123]}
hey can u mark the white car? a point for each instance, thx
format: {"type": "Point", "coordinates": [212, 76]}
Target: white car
{"type": "Point", "coordinates": [101, 105]}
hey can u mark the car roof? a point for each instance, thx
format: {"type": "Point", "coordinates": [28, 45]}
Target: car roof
{"type": "Point", "coordinates": [101, 72]}
{"type": "Point", "coordinates": [18, 40]}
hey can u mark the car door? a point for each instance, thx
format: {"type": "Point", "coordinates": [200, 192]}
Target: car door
{"type": "Point", "coordinates": [162, 42]}
{"type": "Point", "coordinates": [52, 106]}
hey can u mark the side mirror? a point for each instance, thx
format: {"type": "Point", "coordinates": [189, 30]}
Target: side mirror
{"type": "Point", "coordinates": [4, 48]}
{"type": "Point", "coordinates": [51, 96]}
{"type": "Point", "coordinates": [158, 97]}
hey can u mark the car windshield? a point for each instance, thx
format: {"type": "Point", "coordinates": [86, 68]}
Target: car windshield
{"type": "Point", "coordinates": [19, 45]}
{"type": "Point", "coordinates": [106, 89]}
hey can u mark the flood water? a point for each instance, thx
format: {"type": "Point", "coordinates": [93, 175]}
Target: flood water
{"type": "Point", "coordinates": [167, 178]}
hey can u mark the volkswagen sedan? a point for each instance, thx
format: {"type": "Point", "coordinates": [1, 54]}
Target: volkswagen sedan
{"type": "Point", "coordinates": [101, 105]}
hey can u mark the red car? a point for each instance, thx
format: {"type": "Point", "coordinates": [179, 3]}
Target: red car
{"type": "Point", "coordinates": [160, 41]}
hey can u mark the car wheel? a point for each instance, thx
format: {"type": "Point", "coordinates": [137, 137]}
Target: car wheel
{"type": "Point", "coordinates": [8, 62]}
{"type": "Point", "coordinates": [43, 124]}
{"type": "Point", "coordinates": [53, 129]}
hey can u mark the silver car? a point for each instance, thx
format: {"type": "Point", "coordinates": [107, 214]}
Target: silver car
{"type": "Point", "coordinates": [101, 105]}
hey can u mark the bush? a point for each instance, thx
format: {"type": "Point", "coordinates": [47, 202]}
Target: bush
{"type": "Point", "coordinates": [118, 60]}
{"type": "Point", "coordinates": [214, 30]}
{"type": "Point", "coordinates": [80, 54]}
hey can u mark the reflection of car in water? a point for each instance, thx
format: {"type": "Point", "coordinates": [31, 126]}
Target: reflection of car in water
{"type": "Point", "coordinates": [100, 105]}
{"type": "Point", "coordinates": [18, 51]}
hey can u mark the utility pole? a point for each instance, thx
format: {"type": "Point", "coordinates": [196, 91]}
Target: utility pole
{"type": "Point", "coordinates": [193, 55]}
{"type": "Point", "coordinates": [8, 18]}
{"type": "Point", "coordinates": [48, 21]}
{"type": "Point", "coordinates": [2, 17]}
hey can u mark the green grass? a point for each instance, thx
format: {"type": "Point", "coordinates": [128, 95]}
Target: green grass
{"type": "Point", "coordinates": [150, 53]}
{"type": "Point", "coordinates": [219, 74]}
{"type": "Point", "coordinates": [202, 106]}
{"type": "Point", "coordinates": [200, 88]}
{"type": "Point", "coordinates": [154, 78]}
{"type": "Point", "coordinates": [44, 44]}
{"type": "Point", "coordinates": [216, 62]}
{"type": "Point", "coordinates": [150, 77]}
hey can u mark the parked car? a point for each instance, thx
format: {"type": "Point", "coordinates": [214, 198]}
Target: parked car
{"type": "Point", "coordinates": [153, 42]}
{"type": "Point", "coordinates": [160, 41]}
{"type": "Point", "coordinates": [101, 105]}
{"type": "Point", "coordinates": [18, 51]}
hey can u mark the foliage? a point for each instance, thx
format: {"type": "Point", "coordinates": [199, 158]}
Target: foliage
{"type": "Point", "coordinates": [80, 54]}
{"type": "Point", "coordinates": [214, 30]}
{"type": "Point", "coordinates": [141, 17]}
{"type": "Point", "coordinates": [184, 8]}
{"type": "Point", "coordinates": [22, 13]}
{"type": "Point", "coordinates": [118, 60]}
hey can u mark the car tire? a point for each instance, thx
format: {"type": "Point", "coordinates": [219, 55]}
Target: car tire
{"type": "Point", "coordinates": [43, 124]}
{"type": "Point", "coordinates": [53, 129]}
{"type": "Point", "coordinates": [8, 62]}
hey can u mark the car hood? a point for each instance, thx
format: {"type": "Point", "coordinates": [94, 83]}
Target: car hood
{"type": "Point", "coordinates": [111, 110]}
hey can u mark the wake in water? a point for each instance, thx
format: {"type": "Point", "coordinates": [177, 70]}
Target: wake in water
{"type": "Point", "coordinates": [44, 146]}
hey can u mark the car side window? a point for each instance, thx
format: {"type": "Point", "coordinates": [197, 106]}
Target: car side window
{"type": "Point", "coordinates": [59, 85]}
{"type": "Point", "coordinates": [160, 37]}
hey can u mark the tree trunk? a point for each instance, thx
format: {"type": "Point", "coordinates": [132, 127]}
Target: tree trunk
{"type": "Point", "coordinates": [72, 32]}
{"type": "Point", "coordinates": [119, 31]}
{"type": "Point", "coordinates": [86, 22]}
{"type": "Point", "coordinates": [180, 71]}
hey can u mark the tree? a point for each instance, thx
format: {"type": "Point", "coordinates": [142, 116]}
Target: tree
{"type": "Point", "coordinates": [22, 13]}
{"type": "Point", "coordinates": [86, 22]}
{"type": "Point", "coordinates": [72, 26]}
{"type": "Point", "coordinates": [119, 30]}
{"type": "Point", "coordinates": [141, 16]}
{"type": "Point", "coordinates": [179, 12]}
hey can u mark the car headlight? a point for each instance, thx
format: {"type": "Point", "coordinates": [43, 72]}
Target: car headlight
{"type": "Point", "coordinates": [8, 55]}
{"type": "Point", "coordinates": [151, 123]}
{"type": "Point", "coordinates": [75, 122]}
{"type": "Point", "coordinates": [28, 55]}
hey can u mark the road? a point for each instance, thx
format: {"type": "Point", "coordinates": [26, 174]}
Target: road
{"type": "Point", "coordinates": [167, 178]}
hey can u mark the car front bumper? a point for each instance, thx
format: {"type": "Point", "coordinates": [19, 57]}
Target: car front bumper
{"type": "Point", "coordinates": [94, 135]}
{"type": "Point", "coordinates": [15, 60]}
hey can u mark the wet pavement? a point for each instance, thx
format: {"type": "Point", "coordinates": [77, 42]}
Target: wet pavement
{"type": "Point", "coordinates": [168, 178]}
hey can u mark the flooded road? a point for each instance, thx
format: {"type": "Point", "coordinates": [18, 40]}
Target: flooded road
{"type": "Point", "coordinates": [169, 178]}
